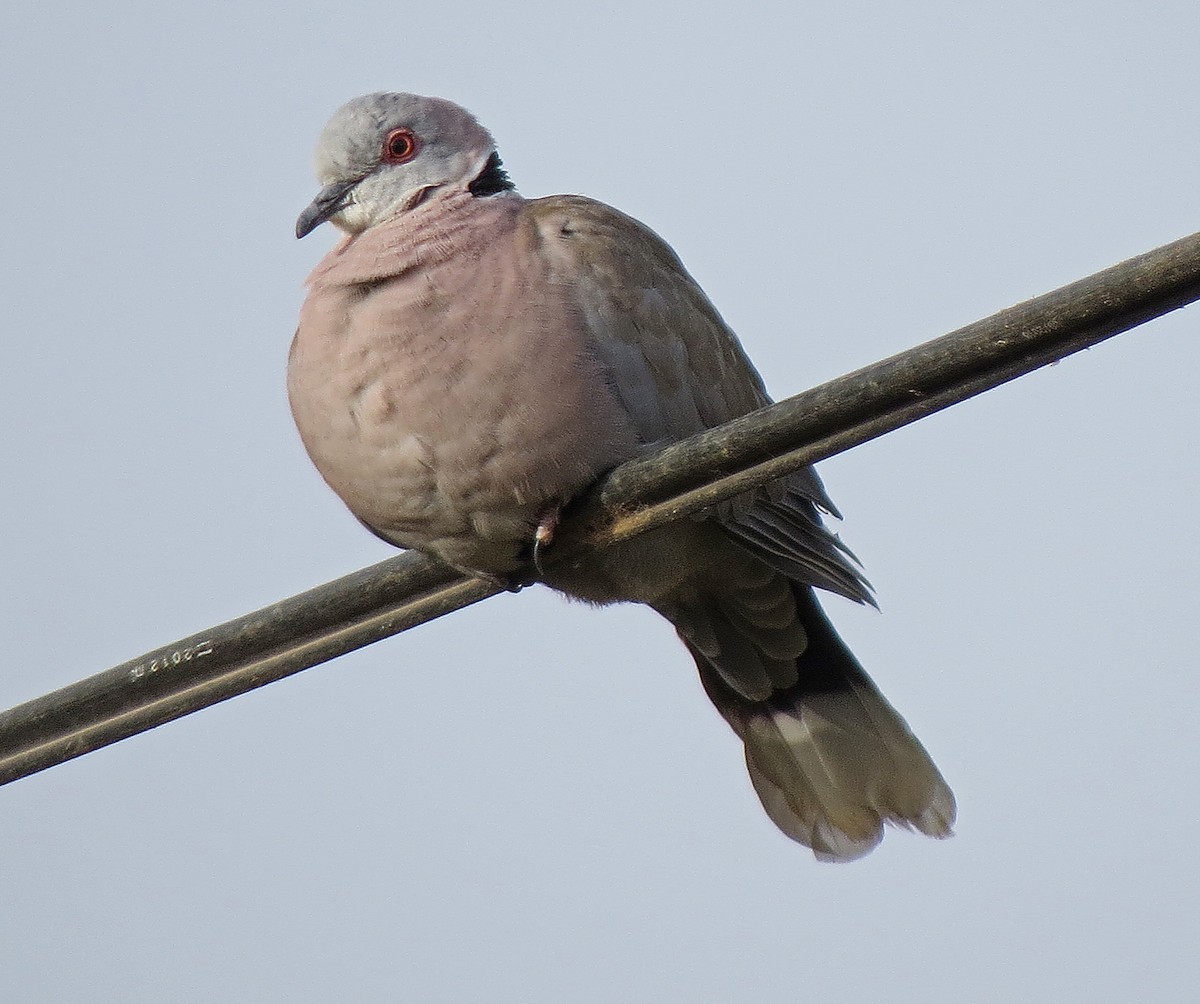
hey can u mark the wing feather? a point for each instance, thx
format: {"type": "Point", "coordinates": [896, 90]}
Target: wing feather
{"type": "Point", "coordinates": [677, 369]}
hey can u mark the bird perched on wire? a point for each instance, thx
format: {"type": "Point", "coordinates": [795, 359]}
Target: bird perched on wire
{"type": "Point", "coordinates": [468, 360]}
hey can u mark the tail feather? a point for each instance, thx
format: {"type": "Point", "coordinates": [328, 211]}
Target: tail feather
{"type": "Point", "coordinates": [830, 759]}
{"type": "Point", "coordinates": [843, 841]}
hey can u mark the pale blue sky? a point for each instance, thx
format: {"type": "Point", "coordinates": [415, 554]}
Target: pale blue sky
{"type": "Point", "coordinates": [532, 801]}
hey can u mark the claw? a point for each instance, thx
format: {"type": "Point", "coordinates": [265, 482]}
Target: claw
{"type": "Point", "coordinates": [543, 537]}
{"type": "Point", "coordinates": [509, 583]}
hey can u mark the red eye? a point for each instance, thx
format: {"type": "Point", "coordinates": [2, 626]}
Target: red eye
{"type": "Point", "coordinates": [400, 146]}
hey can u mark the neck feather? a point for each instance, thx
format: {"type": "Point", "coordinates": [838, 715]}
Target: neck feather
{"type": "Point", "coordinates": [492, 180]}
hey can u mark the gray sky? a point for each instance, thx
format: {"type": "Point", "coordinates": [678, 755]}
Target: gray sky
{"type": "Point", "coordinates": [532, 801]}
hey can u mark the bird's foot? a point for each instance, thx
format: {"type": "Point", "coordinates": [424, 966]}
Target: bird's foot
{"type": "Point", "coordinates": [513, 583]}
{"type": "Point", "coordinates": [543, 537]}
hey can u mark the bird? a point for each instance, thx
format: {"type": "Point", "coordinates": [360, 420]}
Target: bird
{"type": "Point", "coordinates": [468, 361]}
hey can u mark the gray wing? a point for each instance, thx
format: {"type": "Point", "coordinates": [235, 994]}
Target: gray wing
{"type": "Point", "coordinates": [678, 369]}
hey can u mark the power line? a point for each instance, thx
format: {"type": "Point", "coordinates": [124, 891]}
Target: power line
{"type": "Point", "coordinates": [409, 589]}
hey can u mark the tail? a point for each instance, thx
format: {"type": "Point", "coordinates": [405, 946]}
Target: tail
{"type": "Point", "coordinates": [830, 759]}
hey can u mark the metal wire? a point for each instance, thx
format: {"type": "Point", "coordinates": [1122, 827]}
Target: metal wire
{"type": "Point", "coordinates": [407, 590]}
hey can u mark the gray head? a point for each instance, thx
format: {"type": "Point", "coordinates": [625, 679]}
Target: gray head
{"type": "Point", "coordinates": [383, 154]}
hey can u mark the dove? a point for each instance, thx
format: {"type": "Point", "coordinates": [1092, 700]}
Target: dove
{"type": "Point", "coordinates": [467, 361]}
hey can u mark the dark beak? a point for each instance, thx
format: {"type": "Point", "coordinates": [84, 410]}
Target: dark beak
{"type": "Point", "coordinates": [330, 201]}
